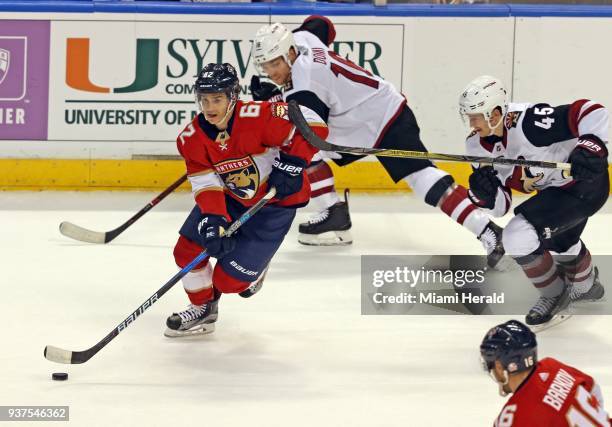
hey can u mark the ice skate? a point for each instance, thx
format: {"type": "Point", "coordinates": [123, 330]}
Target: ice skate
{"type": "Point", "coordinates": [255, 286]}
{"type": "Point", "coordinates": [548, 311]}
{"type": "Point", "coordinates": [195, 320]}
{"type": "Point", "coordinates": [596, 292]}
{"type": "Point", "coordinates": [329, 227]}
{"type": "Point", "coordinates": [491, 239]}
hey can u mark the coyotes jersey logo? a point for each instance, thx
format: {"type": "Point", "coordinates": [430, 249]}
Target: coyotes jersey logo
{"type": "Point", "coordinates": [529, 181]}
{"type": "Point", "coordinates": [240, 176]}
{"type": "Point", "coordinates": [524, 180]}
{"type": "Point", "coordinates": [511, 119]}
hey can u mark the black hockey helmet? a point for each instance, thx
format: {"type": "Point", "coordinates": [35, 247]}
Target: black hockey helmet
{"type": "Point", "coordinates": [216, 78]}
{"type": "Point", "coordinates": [513, 344]}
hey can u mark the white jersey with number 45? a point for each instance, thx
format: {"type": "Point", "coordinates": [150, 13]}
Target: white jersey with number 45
{"type": "Point", "coordinates": [359, 104]}
{"type": "Point", "coordinates": [539, 132]}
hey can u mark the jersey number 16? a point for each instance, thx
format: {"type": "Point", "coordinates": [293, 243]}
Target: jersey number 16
{"type": "Point", "coordinates": [357, 78]}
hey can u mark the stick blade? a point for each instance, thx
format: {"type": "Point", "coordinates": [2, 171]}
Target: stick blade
{"type": "Point", "coordinates": [58, 355]}
{"type": "Point", "coordinates": [76, 232]}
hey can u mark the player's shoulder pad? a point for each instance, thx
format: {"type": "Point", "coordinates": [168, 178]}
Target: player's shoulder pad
{"type": "Point", "coordinates": [313, 60]}
{"type": "Point", "coordinates": [544, 125]}
{"type": "Point", "coordinates": [189, 131]}
{"type": "Point", "coordinates": [301, 69]}
{"type": "Point", "coordinates": [310, 100]}
{"type": "Point", "coordinates": [240, 104]}
{"type": "Point", "coordinates": [312, 63]}
{"type": "Point", "coordinates": [321, 27]}
{"type": "Point", "coordinates": [548, 362]}
{"type": "Point", "coordinates": [251, 108]}
{"type": "Point", "coordinates": [312, 117]}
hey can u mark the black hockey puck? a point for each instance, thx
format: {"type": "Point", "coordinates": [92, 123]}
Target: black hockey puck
{"type": "Point", "coordinates": [59, 376]}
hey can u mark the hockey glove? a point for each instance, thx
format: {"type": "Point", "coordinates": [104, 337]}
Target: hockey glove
{"type": "Point", "coordinates": [589, 159]}
{"type": "Point", "coordinates": [484, 184]}
{"type": "Point", "coordinates": [287, 175]}
{"type": "Point", "coordinates": [210, 229]}
{"type": "Point", "coordinates": [264, 91]}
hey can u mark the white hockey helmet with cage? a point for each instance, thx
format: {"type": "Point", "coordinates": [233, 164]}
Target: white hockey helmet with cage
{"type": "Point", "coordinates": [271, 42]}
{"type": "Point", "coordinates": [482, 96]}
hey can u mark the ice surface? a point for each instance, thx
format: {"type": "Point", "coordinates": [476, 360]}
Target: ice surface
{"type": "Point", "coordinates": [297, 354]}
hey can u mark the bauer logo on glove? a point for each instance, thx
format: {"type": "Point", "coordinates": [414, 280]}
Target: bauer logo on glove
{"type": "Point", "coordinates": [589, 159]}
{"type": "Point", "coordinates": [211, 229]}
{"type": "Point", "coordinates": [591, 146]}
{"type": "Point", "coordinates": [202, 224]}
{"type": "Point", "coordinates": [292, 170]}
{"type": "Point", "coordinates": [287, 175]}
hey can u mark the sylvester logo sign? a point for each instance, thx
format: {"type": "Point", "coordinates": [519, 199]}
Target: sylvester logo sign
{"type": "Point", "coordinates": [77, 67]}
{"type": "Point", "coordinates": [126, 82]}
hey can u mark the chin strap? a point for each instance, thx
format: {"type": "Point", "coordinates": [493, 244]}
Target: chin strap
{"type": "Point", "coordinates": [502, 392]}
{"type": "Point", "coordinates": [290, 65]}
{"type": "Point", "coordinates": [493, 128]}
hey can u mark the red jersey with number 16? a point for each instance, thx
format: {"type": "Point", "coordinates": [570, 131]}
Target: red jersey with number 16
{"type": "Point", "coordinates": [238, 161]}
{"type": "Point", "coordinates": [555, 395]}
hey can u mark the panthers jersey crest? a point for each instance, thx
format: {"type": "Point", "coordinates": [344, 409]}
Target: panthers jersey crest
{"type": "Point", "coordinates": [240, 176]}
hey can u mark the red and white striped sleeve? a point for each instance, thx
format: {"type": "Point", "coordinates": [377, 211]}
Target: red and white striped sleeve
{"type": "Point", "coordinates": [588, 117]}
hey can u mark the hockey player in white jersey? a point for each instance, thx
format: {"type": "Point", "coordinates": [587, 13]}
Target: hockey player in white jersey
{"type": "Point", "coordinates": [362, 110]}
{"type": "Point", "coordinates": [331, 224]}
{"type": "Point", "coordinates": [552, 221]}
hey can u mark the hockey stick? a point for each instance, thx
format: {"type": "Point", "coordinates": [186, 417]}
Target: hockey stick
{"type": "Point", "coordinates": [298, 119]}
{"type": "Point", "coordinates": [76, 232]}
{"type": "Point", "coordinates": [56, 354]}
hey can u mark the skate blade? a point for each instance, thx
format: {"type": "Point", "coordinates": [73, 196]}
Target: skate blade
{"type": "Point", "coordinates": [558, 318]}
{"type": "Point", "coordinates": [329, 238]}
{"type": "Point", "coordinates": [199, 330]}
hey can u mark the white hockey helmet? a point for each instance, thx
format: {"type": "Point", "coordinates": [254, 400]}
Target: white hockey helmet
{"type": "Point", "coordinates": [271, 41]}
{"type": "Point", "coordinates": [482, 96]}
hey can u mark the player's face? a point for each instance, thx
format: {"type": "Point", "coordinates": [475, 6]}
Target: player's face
{"type": "Point", "coordinates": [278, 70]}
{"type": "Point", "coordinates": [214, 106]}
{"type": "Point", "coordinates": [479, 124]}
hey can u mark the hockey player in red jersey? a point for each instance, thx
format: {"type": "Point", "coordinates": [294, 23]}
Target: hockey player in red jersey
{"type": "Point", "coordinates": [234, 152]}
{"type": "Point", "coordinates": [545, 393]}
{"type": "Point", "coordinates": [544, 235]}
{"type": "Point", "coordinates": [361, 110]}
